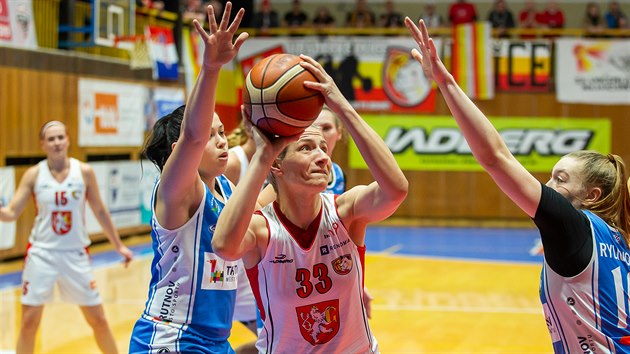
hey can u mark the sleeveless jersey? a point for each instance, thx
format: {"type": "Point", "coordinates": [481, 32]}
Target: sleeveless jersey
{"type": "Point", "coordinates": [242, 158]}
{"type": "Point", "coordinates": [60, 220]}
{"type": "Point", "coordinates": [311, 300]}
{"type": "Point", "coordinates": [191, 288]}
{"type": "Point", "coordinates": [588, 313]}
{"type": "Point", "coordinates": [337, 184]}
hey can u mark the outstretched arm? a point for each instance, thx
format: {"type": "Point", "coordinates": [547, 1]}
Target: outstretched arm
{"type": "Point", "coordinates": [484, 140]}
{"type": "Point", "coordinates": [102, 214]}
{"type": "Point", "coordinates": [16, 206]}
{"type": "Point", "coordinates": [381, 198]}
{"type": "Point", "coordinates": [180, 184]}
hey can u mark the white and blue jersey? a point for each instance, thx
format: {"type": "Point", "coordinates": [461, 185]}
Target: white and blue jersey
{"type": "Point", "coordinates": [588, 313]}
{"type": "Point", "coordinates": [192, 290]}
{"type": "Point", "coordinates": [337, 184]}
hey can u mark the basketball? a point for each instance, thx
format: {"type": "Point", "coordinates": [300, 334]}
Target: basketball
{"type": "Point", "coordinates": [275, 98]}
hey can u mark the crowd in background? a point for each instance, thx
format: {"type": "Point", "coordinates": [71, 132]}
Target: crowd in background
{"type": "Point", "coordinates": [543, 15]}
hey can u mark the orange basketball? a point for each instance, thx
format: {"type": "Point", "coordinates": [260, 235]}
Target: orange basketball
{"type": "Point", "coordinates": [275, 98]}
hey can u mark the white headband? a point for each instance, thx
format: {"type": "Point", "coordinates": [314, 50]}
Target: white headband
{"type": "Point", "coordinates": [48, 125]}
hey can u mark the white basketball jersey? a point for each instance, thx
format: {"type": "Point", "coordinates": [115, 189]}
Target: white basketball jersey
{"type": "Point", "coordinates": [312, 299]}
{"type": "Point", "coordinates": [242, 158]}
{"type": "Point", "coordinates": [60, 220]}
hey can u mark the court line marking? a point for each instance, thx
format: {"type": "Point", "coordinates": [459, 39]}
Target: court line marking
{"type": "Point", "coordinates": [469, 309]}
{"type": "Point", "coordinates": [455, 259]}
{"type": "Point", "coordinates": [391, 250]}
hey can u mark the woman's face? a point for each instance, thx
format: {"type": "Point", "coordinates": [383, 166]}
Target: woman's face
{"type": "Point", "coordinates": [328, 124]}
{"type": "Point", "coordinates": [306, 163]}
{"type": "Point", "coordinates": [55, 141]}
{"type": "Point", "coordinates": [566, 179]}
{"type": "Point", "coordinates": [215, 153]}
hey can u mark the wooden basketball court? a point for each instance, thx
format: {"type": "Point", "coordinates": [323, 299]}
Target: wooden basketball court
{"type": "Point", "coordinates": [423, 303]}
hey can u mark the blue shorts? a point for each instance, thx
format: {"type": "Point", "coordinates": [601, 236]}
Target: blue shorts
{"type": "Point", "coordinates": [157, 337]}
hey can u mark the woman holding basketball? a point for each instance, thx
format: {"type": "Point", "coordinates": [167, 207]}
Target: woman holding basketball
{"type": "Point", "coordinates": [57, 252]}
{"type": "Point", "coordinates": [304, 252]}
{"type": "Point", "coordinates": [583, 214]}
{"type": "Point", "coordinates": [192, 290]}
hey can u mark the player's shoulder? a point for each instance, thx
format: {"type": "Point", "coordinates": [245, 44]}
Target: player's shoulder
{"type": "Point", "coordinates": [31, 174]}
{"type": "Point", "coordinates": [85, 167]}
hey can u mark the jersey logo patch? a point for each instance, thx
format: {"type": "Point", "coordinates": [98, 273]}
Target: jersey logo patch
{"type": "Point", "coordinates": [319, 323]}
{"type": "Point", "coordinates": [342, 265]}
{"type": "Point", "coordinates": [218, 274]}
{"type": "Point", "coordinates": [61, 222]}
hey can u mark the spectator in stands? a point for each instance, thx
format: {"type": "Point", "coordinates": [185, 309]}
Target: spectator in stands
{"type": "Point", "coordinates": [361, 16]}
{"type": "Point", "coordinates": [390, 18]}
{"type": "Point", "coordinates": [323, 18]}
{"type": "Point", "coordinates": [462, 12]}
{"type": "Point", "coordinates": [593, 22]}
{"type": "Point", "coordinates": [552, 17]}
{"type": "Point", "coordinates": [501, 18]}
{"type": "Point", "coordinates": [295, 18]}
{"type": "Point", "coordinates": [431, 18]}
{"type": "Point", "coordinates": [529, 18]}
{"type": "Point", "coordinates": [266, 18]}
{"type": "Point", "coordinates": [195, 9]}
{"type": "Point", "coordinates": [615, 18]}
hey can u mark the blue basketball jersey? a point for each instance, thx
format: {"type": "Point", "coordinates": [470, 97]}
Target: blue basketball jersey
{"type": "Point", "coordinates": [589, 312]}
{"type": "Point", "coordinates": [192, 290]}
{"type": "Point", "coordinates": [337, 184]}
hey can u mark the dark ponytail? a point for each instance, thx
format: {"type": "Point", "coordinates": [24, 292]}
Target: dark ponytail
{"type": "Point", "coordinates": [157, 147]}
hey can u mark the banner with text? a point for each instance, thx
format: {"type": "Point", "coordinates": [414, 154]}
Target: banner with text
{"type": "Point", "coordinates": [373, 73]}
{"type": "Point", "coordinates": [593, 71]}
{"type": "Point", "coordinates": [17, 25]}
{"type": "Point", "coordinates": [7, 188]}
{"type": "Point", "coordinates": [522, 66]}
{"type": "Point", "coordinates": [432, 143]}
{"type": "Point", "coordinates": [111, 113]}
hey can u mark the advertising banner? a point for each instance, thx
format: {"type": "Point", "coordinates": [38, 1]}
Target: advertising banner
{"type": "Point", "coordinates": [593, 71]}
{"type": "Point", "coordinates": [111, 113]}
{"type": "Point", "coordinates": [432, 143]}
{"type": "Point", "coordinates": [373, 73]}
{"type": "Point", "coordinates": [522, 66]}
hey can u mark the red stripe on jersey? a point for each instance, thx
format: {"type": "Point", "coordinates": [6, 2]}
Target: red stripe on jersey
{"type": "Point", "coordinates": [361, 251]}
{"type": "Point", "coordinates": [252, 275]}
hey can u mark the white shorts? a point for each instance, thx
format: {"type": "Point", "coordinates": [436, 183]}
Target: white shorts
{"type": "Point", "coordinates": [245, 306]}
{"type": "Point", "coordinates": [71, 269]}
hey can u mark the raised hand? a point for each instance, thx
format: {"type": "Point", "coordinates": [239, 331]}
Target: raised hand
{"type": "Point", "coordinates": [219, 48]}
{"type": "Point", "coordinates": [427, 56]}
{"type": "Point", "coordinates": [266, 145]}
{"type": "Point", "coordinates": [326, 85]}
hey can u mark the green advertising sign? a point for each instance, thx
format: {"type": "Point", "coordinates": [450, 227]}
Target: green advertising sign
{"type": "Point", "coordinates": [435, 143]}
